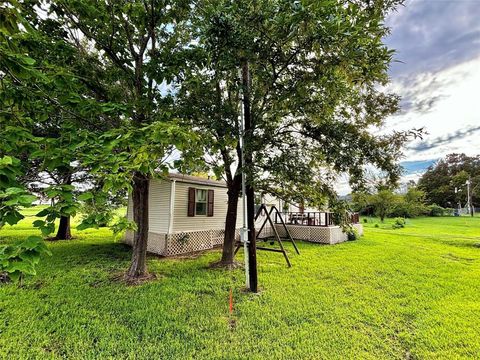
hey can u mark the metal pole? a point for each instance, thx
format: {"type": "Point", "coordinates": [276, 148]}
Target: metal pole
{"type": "Point", "coordinates": [469, 199]}
{"type": "Point", "coordinates": [250, 193]}
{"type": "Point", "coordinates": [244, 229]}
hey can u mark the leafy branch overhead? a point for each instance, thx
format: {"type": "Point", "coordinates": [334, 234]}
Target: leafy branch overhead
{"type": "Point", "coordinates": [19, 260]}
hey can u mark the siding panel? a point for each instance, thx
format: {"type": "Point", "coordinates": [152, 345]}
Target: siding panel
{"type": "Point", "coordinates": [181, 220]}
{"type": "Point", "coordinates": [158, 207]}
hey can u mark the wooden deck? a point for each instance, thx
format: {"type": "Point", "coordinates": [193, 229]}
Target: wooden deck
{"type": "Point", "coordinates": [323, 219]}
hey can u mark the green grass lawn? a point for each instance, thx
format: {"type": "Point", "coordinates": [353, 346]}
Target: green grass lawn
{"type": "Point", "coordinates": [408, 293]}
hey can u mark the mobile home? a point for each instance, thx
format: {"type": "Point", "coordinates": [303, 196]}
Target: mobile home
{"type": "Point", "coordinates": [187, 214]}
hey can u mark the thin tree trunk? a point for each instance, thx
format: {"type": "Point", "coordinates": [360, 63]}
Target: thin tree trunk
{"type": "Point", "coordinates": [230, 224]}
{"type": "Point", "coordinates": [138, 267]}
{"type": "Point", "coordinates": [63, 232]}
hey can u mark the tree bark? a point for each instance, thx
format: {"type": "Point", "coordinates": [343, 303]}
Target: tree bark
{"type": "Point", "coordinates": [231, 222]}
{"type": "Point", "coordinates": [138, 267]}
{"type": "Point", "coordinates": [63, 232]}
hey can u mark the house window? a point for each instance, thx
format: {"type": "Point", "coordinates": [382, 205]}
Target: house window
{"type": "Point", "coordinates": [201, 202]}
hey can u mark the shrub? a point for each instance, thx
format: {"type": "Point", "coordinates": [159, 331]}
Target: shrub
{"type": "Point", "coordinates": [376, 225]}
{"type": "Point", "coordinates": [436, 210]}
{"type": "Point", "coordinates": [398, 223]}
{"type": "Point", "coordinates": [352, 234]}
{"type": "Point", "coordinates": [365, 220]}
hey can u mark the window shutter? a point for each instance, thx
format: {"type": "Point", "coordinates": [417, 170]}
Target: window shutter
{"type": "Point", "coordinates": [210, 203]}
{"type": "Point", "coordinates": [191, 201]}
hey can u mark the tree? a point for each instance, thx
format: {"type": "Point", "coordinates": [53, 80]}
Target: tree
{"type": "Point", "coordinates": [415, 201]}
{"type": "Point", "coordinates": [440, 180]}
{"type": "Point", "coordinates": [55, 108]}
{"type": "Point", "coordinates": [17, 69]}
{"type": "Point", "coordinates": [384, 202]}
{"type": "Point", "coordinates": [135, 50]}
{"type": "Point", "coordinates": [361, 203]}
{"type": "Point", "coordinates": [26, 106]}
{"type": "Point", "coordinates": [117, 58]}
{"type": "Point", "coordinates": [314, 68]}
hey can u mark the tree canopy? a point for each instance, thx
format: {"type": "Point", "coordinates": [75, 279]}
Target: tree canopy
{"type": "Point", "coordinates": [314, 98]}
{"type": "Point", "coordinates": [101, 101]}
{"type": "Point", "coordinates": [440, 180]}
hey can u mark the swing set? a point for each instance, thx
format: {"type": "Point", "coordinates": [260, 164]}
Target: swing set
{"type": "Point", "coordinates": [268, 218]}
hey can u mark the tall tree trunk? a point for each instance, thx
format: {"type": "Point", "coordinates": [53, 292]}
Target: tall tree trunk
{"type": "Point", "coordinates": [63, 232]}
{"type": "Point", "coordinates": [231, 223]}
{"type": "Point", "coordinates": [138, 267]}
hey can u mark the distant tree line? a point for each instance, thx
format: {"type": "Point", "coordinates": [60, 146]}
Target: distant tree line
{"type": "Point", "coordinates": [441, 179]}
{"type": "Point", "coordinates": [433, 195]}
{"type": "Point", "coordinates": [386, 203]}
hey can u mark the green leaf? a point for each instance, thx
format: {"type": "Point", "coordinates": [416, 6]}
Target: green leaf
{"type": "Point", "coordinates": [48, 229]}
{"type": "Point", "coordinates": [26, 200]}
{"type": "Point", "coordinates": [24, 267]}
{"type": "Point", "coordinates": [44, 212]}
{"type": "Point", "coordinates": [31, 242]}
{"type": "Point", "coordinates": [13, 217]}
{"type": "Point", "coordinates": [14, 191]}
{"type": "Point", "coordinates": [38, 223]}
{"type": "Point", "coordinates": [6, 160]}
{"type": "Point", "coordinates": [85, 196]}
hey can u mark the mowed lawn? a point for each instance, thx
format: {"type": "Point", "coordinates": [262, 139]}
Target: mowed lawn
{"type": "Point", "coordinates": [412, 293]}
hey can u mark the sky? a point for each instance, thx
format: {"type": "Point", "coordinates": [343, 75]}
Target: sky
{"type": "Point", "coordinates": [436, 71]}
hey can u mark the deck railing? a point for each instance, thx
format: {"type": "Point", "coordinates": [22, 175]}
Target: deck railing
{"type": "Point", "coordinates": [312, 218]}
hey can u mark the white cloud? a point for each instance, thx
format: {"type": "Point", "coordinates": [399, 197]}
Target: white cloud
{"type": "Point", "coordinates": [446, 104]}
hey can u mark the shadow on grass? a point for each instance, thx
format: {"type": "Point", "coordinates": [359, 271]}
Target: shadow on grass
{"type": "Point", "coordinates": [83, 252]}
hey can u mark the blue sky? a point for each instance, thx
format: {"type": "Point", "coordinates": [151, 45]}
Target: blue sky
{"type": "Point", "coordinates": [437, 73]}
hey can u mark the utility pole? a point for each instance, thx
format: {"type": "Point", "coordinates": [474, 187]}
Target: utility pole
{"type": "Point", "coordinates": [244, 229]}
{"type": "Point", "coordinates": [459, 202]}
{"type": "Point", "coordinates": [249, 191]}
{"type": "Point", "coordinates": [469, 198]}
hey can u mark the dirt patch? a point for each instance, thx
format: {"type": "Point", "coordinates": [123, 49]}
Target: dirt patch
{"type": "Point", "coordinates": [232, 324]}
{"type": "Point", "coordinates": [226, 266]}
{"type": "Point", "coordinates": [133, 281]}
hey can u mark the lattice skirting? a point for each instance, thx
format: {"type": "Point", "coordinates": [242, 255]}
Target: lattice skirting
{"type": "Point", "coordinates": [156, 242]}
{"type": "Point", "coordinates": [324, 235]}
{"type": "Point", "coordinates": [192, 241]}
{"type": "Point", "coordinates": [183, 242]}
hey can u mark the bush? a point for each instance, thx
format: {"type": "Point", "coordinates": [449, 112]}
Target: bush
{"type": "Point", "coordinates": [436, 210]}
{"type": "Point", "coordinates": [401, 209]}
{"type": "Point", "coordinates": [352, 234]}
{"type": "Point", "coordinates": [398, 223]}
{"type": "Point", "coordinates": [376, 225]}
{"type": "Point", "coordinates": [365, 220]}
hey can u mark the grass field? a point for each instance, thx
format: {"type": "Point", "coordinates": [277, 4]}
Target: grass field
{"type": "Point", "coordinates": [409, 293]}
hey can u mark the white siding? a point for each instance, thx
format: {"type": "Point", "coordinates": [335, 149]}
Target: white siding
{"type": "Point", "coordinates": [181, 220]}
{"type": "Point", "coordinates": [158, 208]}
